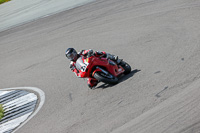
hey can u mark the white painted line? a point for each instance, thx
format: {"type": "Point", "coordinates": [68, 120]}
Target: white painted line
{"type": "Point", "coordinates": [41, 95]}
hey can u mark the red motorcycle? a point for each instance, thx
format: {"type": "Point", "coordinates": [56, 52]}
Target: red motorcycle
{"type": "Point", "coordinates": [99, 69]}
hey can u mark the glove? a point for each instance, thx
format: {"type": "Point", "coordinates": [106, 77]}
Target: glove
{"type": "Point", "coordinates": [71, 66]}
{"type": "Point", "coordinates": [90, 52]}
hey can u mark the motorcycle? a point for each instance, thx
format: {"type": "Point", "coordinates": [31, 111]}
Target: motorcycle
{"type": "Point", "coordinates": [101, 69]}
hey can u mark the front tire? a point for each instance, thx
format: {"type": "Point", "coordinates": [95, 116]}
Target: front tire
{"type": "Point", "coordinates": [106, 78]}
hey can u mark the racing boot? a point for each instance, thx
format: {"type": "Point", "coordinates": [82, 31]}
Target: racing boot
{"type": "Point", "coordinates": [92, 83]}
{"type": "Point", "coordinates": [114, 58]}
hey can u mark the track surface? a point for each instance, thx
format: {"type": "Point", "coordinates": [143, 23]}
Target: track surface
{"type": "Point", "coordinates": [161, 38]}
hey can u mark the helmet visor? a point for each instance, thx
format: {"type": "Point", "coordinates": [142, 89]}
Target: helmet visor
{"type": "Point", "coordinates": [70, 56]}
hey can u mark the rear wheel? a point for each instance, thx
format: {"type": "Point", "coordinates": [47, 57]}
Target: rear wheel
{"type": "Point", "coordinates": [126, 67]}
{"type": "Point", "coordinates": [106, 78]}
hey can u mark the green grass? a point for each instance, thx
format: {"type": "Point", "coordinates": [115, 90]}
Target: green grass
{"type": "Point", "coordinates": [2, 1]}
{"type": "Point", "coordinates": [1, 112]}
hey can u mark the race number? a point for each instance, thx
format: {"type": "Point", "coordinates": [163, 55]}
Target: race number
{"type": "Point", "coordinates": [84, 66]}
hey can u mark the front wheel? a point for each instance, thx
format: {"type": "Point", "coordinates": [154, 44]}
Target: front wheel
{"type": "Point", "coordinates": [106, 78]}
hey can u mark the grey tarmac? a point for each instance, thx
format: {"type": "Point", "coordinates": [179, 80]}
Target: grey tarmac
{"type": "Point", "coordinates": [158, 38]}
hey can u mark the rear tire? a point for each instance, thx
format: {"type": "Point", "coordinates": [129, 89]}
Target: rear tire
{"type": "Point", "coordinates": [108, 79]}
{"type": "Point", "coordinates": [126, 67]}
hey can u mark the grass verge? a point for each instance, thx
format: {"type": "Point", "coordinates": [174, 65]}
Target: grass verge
{"type": "Point", "coordinates": [1, 112]}
{"type": "Point", "coordinates": [3, 1]}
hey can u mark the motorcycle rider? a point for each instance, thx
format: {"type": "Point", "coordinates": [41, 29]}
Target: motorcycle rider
{"type": "Point", "coordinates": [72, 55]}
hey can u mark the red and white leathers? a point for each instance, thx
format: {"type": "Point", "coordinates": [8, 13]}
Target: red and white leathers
{"type": "Point", "coordinates": [91, 82]}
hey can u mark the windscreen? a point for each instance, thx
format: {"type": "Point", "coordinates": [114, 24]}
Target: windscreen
{"type": "Point", "coordinates": [79, 63]}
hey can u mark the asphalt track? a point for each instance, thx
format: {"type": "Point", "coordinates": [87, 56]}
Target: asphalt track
{"type": "Point", "coordinates": [160, 39]}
